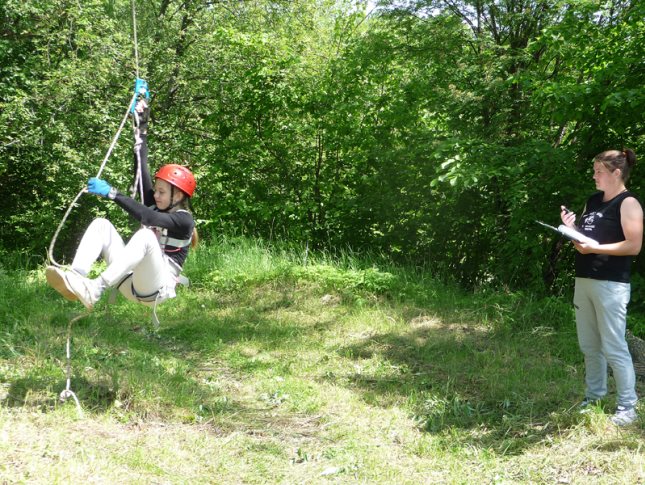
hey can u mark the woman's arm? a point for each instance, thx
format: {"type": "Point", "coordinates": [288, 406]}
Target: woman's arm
{"type": "Point", "coordinates": [631, 219]}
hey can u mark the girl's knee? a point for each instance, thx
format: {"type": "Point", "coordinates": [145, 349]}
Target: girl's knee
{"type": "Point", "coordinates": [146, 240]}
{"type": "Point", "coordinates": [100, 223]}
{"type": "Point", "coordinates": [145, 234]}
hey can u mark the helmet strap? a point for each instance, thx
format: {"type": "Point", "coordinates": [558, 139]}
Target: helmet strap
{"type": "Point", "coordinates": [172, 196]}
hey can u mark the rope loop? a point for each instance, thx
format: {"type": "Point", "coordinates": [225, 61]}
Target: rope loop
{"type": "Point", "coordinates": [141, 88]}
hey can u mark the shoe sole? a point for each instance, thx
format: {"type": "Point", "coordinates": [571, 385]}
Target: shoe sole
{"type": "Point", "coordinates": [56, 279]}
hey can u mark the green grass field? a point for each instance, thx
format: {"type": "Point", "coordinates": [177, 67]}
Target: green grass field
{"type": "Point", "coordinates": [267, 370]}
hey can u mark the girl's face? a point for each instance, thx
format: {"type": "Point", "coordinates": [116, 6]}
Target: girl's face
{"type": "Point", "coordinates": [162, 194]}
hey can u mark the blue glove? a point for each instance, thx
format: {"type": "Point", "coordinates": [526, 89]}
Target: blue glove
{"type": "Point", "coordinates": [141, 88]}
{"type": "Point", "coordinates": [140, 91]}
{"type": "Point", "coordinates": [98, 187]}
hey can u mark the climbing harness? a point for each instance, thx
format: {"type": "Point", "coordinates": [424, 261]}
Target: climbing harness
{"type": "Point", "coordinates": [140, 91]}
{"type": "Point", "coordinates": [171, 241]}
{"type": "Point", "coordinates": [166, 240]}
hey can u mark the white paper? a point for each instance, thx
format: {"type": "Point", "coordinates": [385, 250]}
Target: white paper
{"type": "Point", "coordinates": [575, 235]}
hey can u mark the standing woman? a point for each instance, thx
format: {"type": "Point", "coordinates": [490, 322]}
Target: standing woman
{"type": "Point", "coordinates": [148, 267]}
{"type": "Point", "coordinates": [613, 217]}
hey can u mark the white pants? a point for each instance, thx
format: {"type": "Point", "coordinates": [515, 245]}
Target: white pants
{"type": "Point", "coordinates": [601, 311]}
{"type": "Point", "coordinates": [139, 268]}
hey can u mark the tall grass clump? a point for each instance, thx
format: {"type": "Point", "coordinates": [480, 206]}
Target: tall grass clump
{"type": "Point", "coordinates": [229, 263]}
{"type": "Point", "coordinates": [234, 263]}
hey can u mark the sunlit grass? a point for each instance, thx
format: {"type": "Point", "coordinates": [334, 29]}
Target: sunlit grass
{"type": "Point", "coordinates": [268, 370]}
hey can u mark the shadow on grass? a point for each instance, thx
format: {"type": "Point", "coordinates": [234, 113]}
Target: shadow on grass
{"type": "Point", "coordinates": [40, 393]}
{"type": "Point", "coordinates": [120, 365]}
{"type": "Point", "coordinates": [505, 392]}
{"type": "Point", "coordinates": [209, 326]}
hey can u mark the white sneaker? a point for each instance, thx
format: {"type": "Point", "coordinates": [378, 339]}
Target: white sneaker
{"type": "Point", "coordinates": [624, 416]}
{"type": "Point", "coordinates": [85, 291]}
{"type": "Point", "coordinates": [56, 279]}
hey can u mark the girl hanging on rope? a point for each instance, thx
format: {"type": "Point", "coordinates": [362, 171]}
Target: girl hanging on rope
{"type": "Point", "coordinates": [148, 267]}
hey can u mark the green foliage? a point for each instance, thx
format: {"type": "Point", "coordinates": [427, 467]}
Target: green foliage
{"type": "Point", "coordinates": [59, 72]}
{"type": "Point", "coordinates": [432, 131]}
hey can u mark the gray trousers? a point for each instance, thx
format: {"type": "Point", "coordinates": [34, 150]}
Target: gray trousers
{"type": "Point", "coordinates": [601, 311]}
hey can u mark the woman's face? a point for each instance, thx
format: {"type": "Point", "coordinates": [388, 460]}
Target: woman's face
{"type": "Point", "coordinates": [162, 194]}
{"type": "Point", "coordinates": [604, 178]}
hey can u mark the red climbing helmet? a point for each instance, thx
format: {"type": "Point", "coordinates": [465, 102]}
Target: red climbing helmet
{"type": "Point", "coordinates": [179, 176]}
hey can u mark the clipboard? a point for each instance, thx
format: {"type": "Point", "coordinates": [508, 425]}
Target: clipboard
{"type": "Point", "coordinates": [570, 234]}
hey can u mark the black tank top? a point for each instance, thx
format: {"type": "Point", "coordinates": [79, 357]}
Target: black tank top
{"type": "Point", "coordinates": [601, 221]}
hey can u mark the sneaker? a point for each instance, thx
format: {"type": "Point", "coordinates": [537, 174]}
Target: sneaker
{"type": "Point", "coordinates": [624, 416]}
{"type": "Point", "coordinates": [83, 288]}
{"type": "Point", "coordinates": [56, 279]}
{"type": "Point", "coordinates": [587, 403]}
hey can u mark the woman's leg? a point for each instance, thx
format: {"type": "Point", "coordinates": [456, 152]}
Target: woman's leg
{"type": "Point", "coordinates": [141, 257]}
{"type": "Point", "coordinates": [100, 239]}
{"type": "Point", "coordinates": [612, 322]}
{"type": "Point", "coordinates": [589, 338]}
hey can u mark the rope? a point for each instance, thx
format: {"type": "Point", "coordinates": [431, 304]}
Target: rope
{"type": "Point", "coordinates": [138, 177]}
{"type": "Point", "coordinates": [50, 254]}
{"type": "Point", "coordinates": [67, 392]}
{"type": "Point", "coordinates": [116, 136]}
{"type": "Point", "coordinates": [134, 34]}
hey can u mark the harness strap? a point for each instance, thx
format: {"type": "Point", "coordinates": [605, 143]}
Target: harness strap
{"type": "Point", "coordinates": [152, 297]}
{"type": "Point", "coordinates": [144, 298]}
{"type": "Point", "coordinates": [165, 240]}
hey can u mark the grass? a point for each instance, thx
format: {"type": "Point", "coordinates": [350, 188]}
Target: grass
{"type": "Point", "coordinates": [267, 370]}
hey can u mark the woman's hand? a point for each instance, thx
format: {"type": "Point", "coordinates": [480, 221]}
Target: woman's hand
{"type": "Point", "coordinates": [141, 106]}
{"type": "Point", "coordinates": [568, 217]}
{"type": "Point", "coordinates": [584, 248]}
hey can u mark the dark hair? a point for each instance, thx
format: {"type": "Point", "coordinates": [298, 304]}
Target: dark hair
{"type": "Point", "coordinates": [618, 159]}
